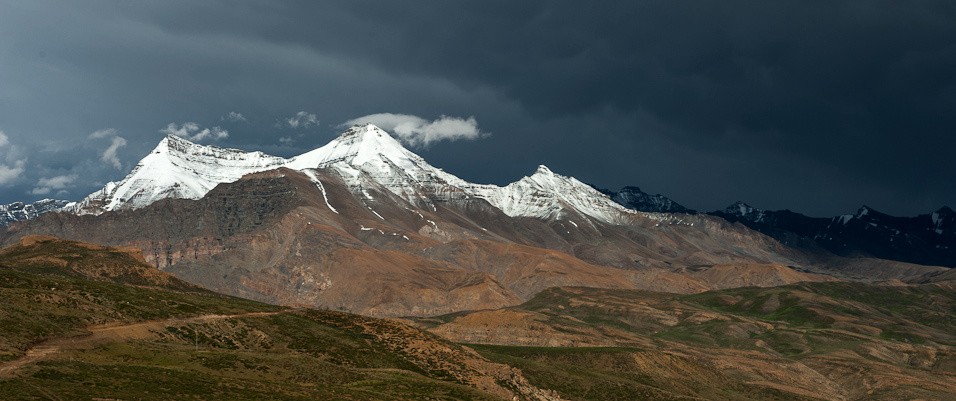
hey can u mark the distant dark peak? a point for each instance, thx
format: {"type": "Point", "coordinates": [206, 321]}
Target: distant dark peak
{"type": "Point", "coordinates": [869, 211]}
{"type": "Point", "coordinates": [631, 188]}
{"type": "Point", "coordinates": [633, 198]}
{"type": "Point", "coordinates": [740, 208]}
{"type": "Point", "coordinates": [945, 210]}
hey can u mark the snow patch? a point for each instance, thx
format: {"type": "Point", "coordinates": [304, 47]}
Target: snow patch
{"type": "Point", "coordinates": [318, 184]}
{"type": "Point", "coordinates": [373, 211]}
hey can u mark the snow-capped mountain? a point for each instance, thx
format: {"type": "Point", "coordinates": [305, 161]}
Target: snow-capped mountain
{"type": "Point", "coordinates": [925, 239]}
{"type": "Point", "coordinates": [547, 195]}
{"type": "Point", "coordinates": [633, 198]}
{"type": "Point", "coordinates": [369, 153]}
{"type": "Point", "coordinates": [362, 155]}
{"type": "Point", "coordinates": [368, 159]}
{"type": "Point", "coordinates": [176, 168]}
{"type": "Point", "coordinates": [19, 211]}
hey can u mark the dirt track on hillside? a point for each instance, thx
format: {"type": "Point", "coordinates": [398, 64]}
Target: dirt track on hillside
{"type": "Point", "coordinates": [111, 332]}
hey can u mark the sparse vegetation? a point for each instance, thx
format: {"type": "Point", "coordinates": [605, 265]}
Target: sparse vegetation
{"type": "Point", "coordinates": [731, 344]}
{"type": "Point", "coordinates": [103, 337]}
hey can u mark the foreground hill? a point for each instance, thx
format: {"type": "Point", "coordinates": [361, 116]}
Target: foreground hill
{"type": "Point", "coordinates": [81, 321]}
{"type": "Point", "coordinates": [835, 341]}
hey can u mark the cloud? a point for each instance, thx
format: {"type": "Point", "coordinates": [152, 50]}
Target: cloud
{"type": "Point", "coordinates": [10, 170]}
{"type": "Point", "coordinates": [48, 184]}
{"type": "Point", "coordinates": [302, 119]}
{"type": "Point", "coordinates": [193, 132]}
{"type": "Point", "coordinates": [417, 131]}
{"type": "Point", "coordinates": [9, 174]}
{"type": "Point", "coordinates": [103, 133]}
{"type": "Point", "coordinates": [286, 140]}
{"type": "Point", "coordinates": [109, 155]}
{"type": "Point", "coordinates": [233, 117]}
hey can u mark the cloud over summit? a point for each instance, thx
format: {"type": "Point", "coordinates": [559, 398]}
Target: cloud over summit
{"type": "Point", "coordinates": [419, 132]}
{"type": "Point", "coordinates": [194, 132]}
{"type": "Point", "coordinates": [302, 119]}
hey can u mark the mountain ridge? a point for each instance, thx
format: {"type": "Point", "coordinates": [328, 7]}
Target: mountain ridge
{"type": "Point", "coordinates": [928, 239]}
{"type": "Point", "coordinates": [367, 157]}
{"type": "Point", "coordinates": [180, 169]}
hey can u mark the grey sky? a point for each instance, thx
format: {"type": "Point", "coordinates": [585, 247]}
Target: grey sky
{"type": "Point", "coordinates": [815, 106]}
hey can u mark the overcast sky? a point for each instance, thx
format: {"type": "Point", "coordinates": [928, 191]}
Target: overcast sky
{"type": "Point", "coordinates": [815, 106]}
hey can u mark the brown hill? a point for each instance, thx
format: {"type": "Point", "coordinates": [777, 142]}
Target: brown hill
{"type": "Point", "coordinates": [839, 341]}
{"type": "Point", "coordinates": [95, 262]}
{"type": "Point", "coordinates": [75, 326]}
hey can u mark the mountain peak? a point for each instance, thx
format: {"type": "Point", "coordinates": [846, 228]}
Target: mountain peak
{"type": "Point", "coordinates": [176, 168]}
{"type": "Point", "coordinates": [632, 189]}
{"type": "Point", "coordinates": [741, 209]}
{"type": "Point", "coordinates": [633, 198]}
{"type": "Point", "coordinates": [865, 210]}
{"type": "Point", "coordinates": [542, 169]}
{"type": "Point", "coordinates": [176, 142]}
{"type": "Point", "coordinates": [358, 145]}
{"type": "Point", "coordinates": [364, 132]}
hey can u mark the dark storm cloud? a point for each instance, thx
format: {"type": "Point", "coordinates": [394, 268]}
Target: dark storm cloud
{"type": "Point", "coordinates": [815, 106]}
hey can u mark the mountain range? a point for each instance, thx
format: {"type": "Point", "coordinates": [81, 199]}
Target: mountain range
{"type": "Point", "coordinates": [180, 169]}
{"type": "Point", "coordinates": [363, 224]}
{"type": "Point", "coordinates": [928, 239]}
{"type": "Point", "coordinates": [20, 211]}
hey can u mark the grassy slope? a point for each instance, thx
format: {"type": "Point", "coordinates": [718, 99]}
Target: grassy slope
{"type": "Point", "coordinates": [275, 354]}
{"type": "Point", "coordinates": [827, 340]}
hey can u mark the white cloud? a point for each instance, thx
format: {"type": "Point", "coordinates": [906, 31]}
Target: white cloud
{"type": "Point", "coordinates": [303, 119]}
{"type": "Point", "coordinates": [417, 131]}
{"type": "Point", "coordinates": [103, 133]}
{"type": "Point", "coordinates": [234, 117]}
{"type": "Point", "coordinates": [193, 132]}
{"type": "Point", "coordinates": [109, 155]}
{"type": "Point", "coordinates": [10, 170]}
{"type": "Point", "coordinates": [286, 140]}
{"type": "Point", "coordinates": [48, 184]}
{"type": "Point", "coordinates": [9, 173]}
